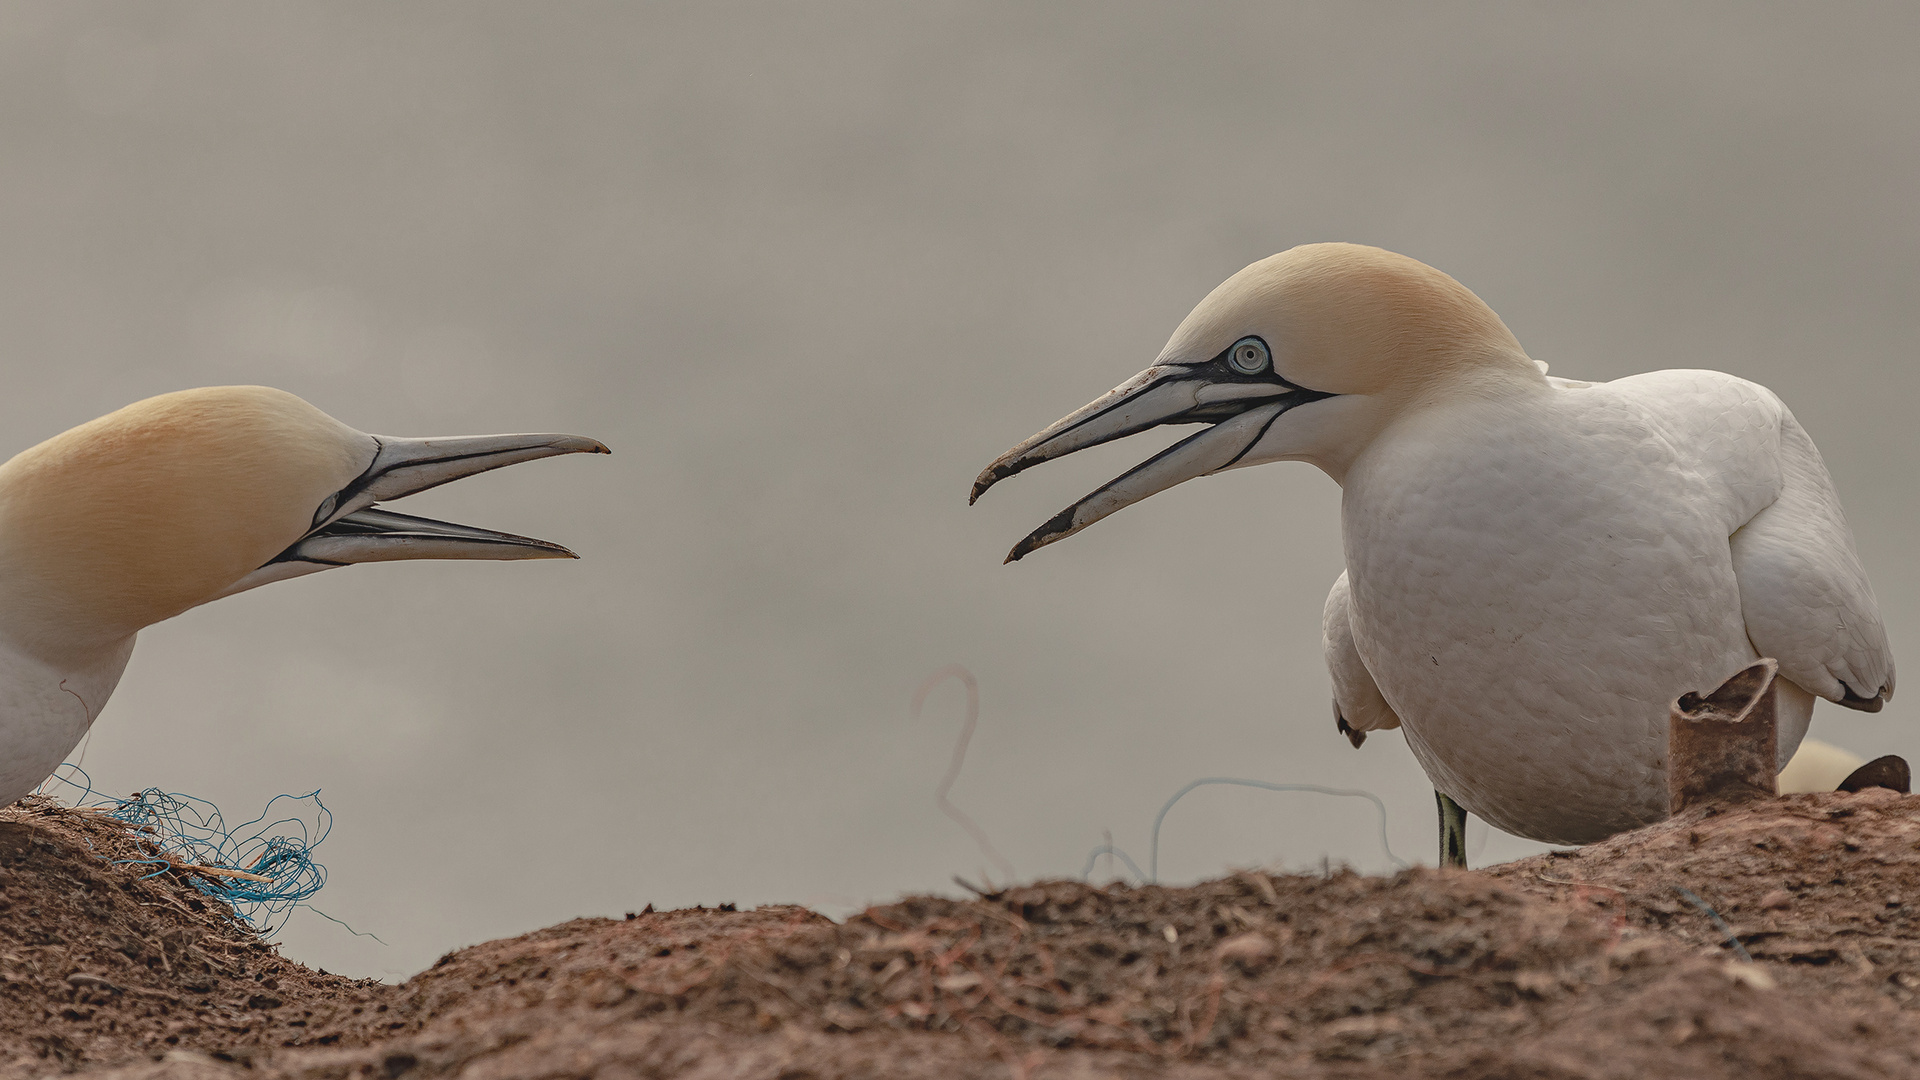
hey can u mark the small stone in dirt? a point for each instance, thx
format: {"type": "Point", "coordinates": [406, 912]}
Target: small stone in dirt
{"type": "Point", "coordinates": [1777, 900]}
{"type": "Point", "coordinates": [91, 982]}
{"type": "Point", "coordinates": [845, 1018]}
{"type": "Point", "coordinates": [1751, 974]}
{"type": "Point", "coordinates": [955, 984]}
{"type": "Point", "coordinates": [1250, 950]}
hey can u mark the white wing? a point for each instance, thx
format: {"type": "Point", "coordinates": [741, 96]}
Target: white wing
{"type": "Point", "coordinates": [1358, 706]}
{"type": "Point", "coordinates": [1803, 593]}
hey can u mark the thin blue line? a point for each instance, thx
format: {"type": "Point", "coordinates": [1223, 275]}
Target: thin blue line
{"type": "Point", "coordinates": [1153, 855]}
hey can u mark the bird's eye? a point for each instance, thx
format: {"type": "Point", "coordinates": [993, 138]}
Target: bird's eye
{"type": "Point", "coordinates": [1249, 356]}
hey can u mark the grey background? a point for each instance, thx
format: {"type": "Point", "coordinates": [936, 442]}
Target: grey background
{"type": "Point", "coordinates": [807, 268]}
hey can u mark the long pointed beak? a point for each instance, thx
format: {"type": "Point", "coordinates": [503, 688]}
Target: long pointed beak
{"type": "Point", "coordinates": [347, 529]}
{"type": "Point", "coordinates": [1196, 455]}
{"type": "Point", "coordinates": [1156, 396]}
{"type": "Point", "coordinates": [1240, 411]}
{"type": "Point", "coordinates": [374, 535]}
{"type": "Point", "coordinates": [405, 467]}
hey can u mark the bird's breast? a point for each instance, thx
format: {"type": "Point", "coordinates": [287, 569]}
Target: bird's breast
{"type": "Point", "coordinates": [46, 708]}
{"type": "Point", "coordinates": [1529, 592]}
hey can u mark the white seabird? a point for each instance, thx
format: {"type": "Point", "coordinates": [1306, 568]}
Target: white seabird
{"type": "Point", "coordinates": [188, 497]}
{"type": "Point", "coordinates": [1535, 567]}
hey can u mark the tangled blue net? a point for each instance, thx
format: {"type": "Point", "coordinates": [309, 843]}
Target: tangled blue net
{"type": "Point", "coordinates": [273, 858]}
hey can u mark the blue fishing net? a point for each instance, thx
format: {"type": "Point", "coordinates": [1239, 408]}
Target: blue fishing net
{"type": "Point", "coordinates": [263, 867]}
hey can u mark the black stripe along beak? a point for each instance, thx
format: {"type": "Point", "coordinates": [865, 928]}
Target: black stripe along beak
{"type": "Point", "coordinates": [403, 467]}
{"type": "Point", "coordinates": [1240, 407]}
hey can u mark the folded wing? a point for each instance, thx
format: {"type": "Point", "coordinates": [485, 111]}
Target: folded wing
{"type": "Point", "coordinates": [1358, 706]}
{"type": "Point", "coordinates": [1803, 591]}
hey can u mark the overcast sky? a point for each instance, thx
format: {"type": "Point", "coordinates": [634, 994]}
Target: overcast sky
{"type": "Point", "coordinates": [807, 268]}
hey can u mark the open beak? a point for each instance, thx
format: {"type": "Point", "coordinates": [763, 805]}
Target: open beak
{"type": "Point", "coordinates": [405, 467]}
{"type": "Point", "coordinates": [375, 535]}
{"type": "Point", "coordinates": [1240, 408]}
{"type": "Point", "coordinates": [348, 528]}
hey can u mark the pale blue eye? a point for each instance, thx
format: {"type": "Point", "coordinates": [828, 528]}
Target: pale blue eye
{"type": "Point", "coordinates": [1249, 356]}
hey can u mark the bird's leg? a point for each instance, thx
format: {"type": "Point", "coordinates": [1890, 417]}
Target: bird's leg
{"type": "Point", "coordinates": [1453, 831]}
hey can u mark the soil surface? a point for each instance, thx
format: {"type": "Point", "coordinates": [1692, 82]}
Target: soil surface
{"type": "Point", "coordinates": [1794, 951]}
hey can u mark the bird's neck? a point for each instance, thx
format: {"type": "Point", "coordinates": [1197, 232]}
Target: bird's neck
{"type": "Point", "coordinates": [1364, 428]}
{"type": "Point", "coordinates": [1442, 423]}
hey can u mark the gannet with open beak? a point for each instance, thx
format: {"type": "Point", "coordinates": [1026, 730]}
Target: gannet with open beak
{"type": "Point", "coordinates": [1535, 567]}
{"type": "Point", "coordinates": [188, 497]}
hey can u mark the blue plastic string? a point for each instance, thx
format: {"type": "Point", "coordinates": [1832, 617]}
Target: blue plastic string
{"type": "Point", "coordinates": [1153, 853]}
{"type": "Point", "coordinates": [1093, 859]}
{"type": "Point", "coordinates": [278, 844]}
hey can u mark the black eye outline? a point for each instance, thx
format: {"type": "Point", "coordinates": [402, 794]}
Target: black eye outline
{"type": "Point", "coordinates": [1259, 361]}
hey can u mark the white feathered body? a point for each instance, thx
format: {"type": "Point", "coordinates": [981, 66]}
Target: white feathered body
{"type": "Point", "coordinates": [46, 708]}
{"type": "Point", "coordinates": [1533, 576]}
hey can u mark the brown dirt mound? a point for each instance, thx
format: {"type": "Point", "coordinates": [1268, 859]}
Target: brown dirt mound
{"type": "Point", "coordinates": [1823, 890]}
{"type": "Point", "coordinates": [98, 964]}
{"type": "Point", "coordinates": [1567, 967]}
